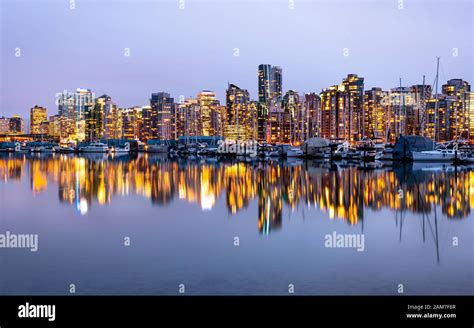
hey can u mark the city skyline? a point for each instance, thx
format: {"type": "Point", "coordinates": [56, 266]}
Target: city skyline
{"type": "Point", "coordinates": [346, 110]}
{"type": "Point", "coordinates": [312, 55]}
{"type": "Point", "coordinates": [220, 97]}
{"type": "Point", "coordinates": [174, 148]}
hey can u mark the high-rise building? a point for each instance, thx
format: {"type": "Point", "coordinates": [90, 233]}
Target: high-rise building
{"type": "Point", "coordinates": [269, 83]}
{"type": "Point", "coordinates": [333, 116]}
{"type": "Point", "coordinates": [112, 122]}
{"type": "Point", "coordinates": [17, 124]}
{"type": "Point", "coordinates": [448, 114]}
{"type": "Point", "coordinates": [38, 116]}
{"type": "Point", "coordinates": [209, 110]}
{"type": "Point", "coordinates": [163, 116]}
{"type": "Point", "coordinates": [147, 130]}
{"type": "Point", "coordinates": [221, 120]}
{"type": "Point", "coordinates": [188, 118]}
{"type": "Point", "coordinates": [459, 115]}
{"type": "Point", "coordinates": [279, 124]}
{"type": "Point", "coordinates": [264, 80]}
{"type": "Point", "coordinates": [400, 113]}
{"type": "Point", "coordinates": [67, 111]}
{"type": "Point", "coordinates": [290, 102]}
{"type": "Point", "coordinates": [276, 85]}
{"type": "Point", "coordinates": [421, 93]}
{"type": "Point", "coordinates": [269, 93]}
{"type": "Point", "coordinates": [4, 125]}
{"type": "Point", "coordinates": [354, 89]}
{"type": "Point", "coordinates": [44, 127]}
{"type": "Point", "coordinates": [471, 117]}
{"type": "Point", "coordinates": [374, 117]}
{"type": "Point", "coordinates": [342, 108]}
{"type": "Point", "coordinates": [238, 114]}
{"type": "Point", "coordinates": [82, 99]}
{"type": "Point", "coordinates": [262, 120]}
{"type": "Point", "coordinates": [54, 126]}
{"type": "Point", "coordinates": [312, 110]}
{"type": "Point", "coordinates": [252, 120]}
{"type": "Point", "coordinates": [131, 122]}
{"type": "Point", "coordinates": [74, 105]}
{"type": "Point", "coordinates": [95, 118]}
{"type": "Point", "coordinates": [293, 106]}
{"type": "Point", "coordinates": [61, 127]}
{"type": "Point", "coordinates": [66, 104]}
{"type": "Point", "coordinates": [440, 111]}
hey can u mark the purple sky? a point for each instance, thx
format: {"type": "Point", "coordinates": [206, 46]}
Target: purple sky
{"type": "Point", "coordinates": [185, 51]}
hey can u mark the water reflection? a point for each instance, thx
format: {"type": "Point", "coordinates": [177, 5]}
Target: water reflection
{"type": "Point", "coordinates": [343, 192]}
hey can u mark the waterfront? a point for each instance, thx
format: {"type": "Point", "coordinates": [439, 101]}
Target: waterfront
{"type": "Point", "coordinates": [182, 218]}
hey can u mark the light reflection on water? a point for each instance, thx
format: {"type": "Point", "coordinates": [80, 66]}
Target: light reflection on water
{"type": "Point", "coordinates": [270, 196]}
{"type": "Point", "coordinates": [342, 191]}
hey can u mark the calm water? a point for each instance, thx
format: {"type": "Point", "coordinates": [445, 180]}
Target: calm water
{"type": "Point", "coordinates": [183, 217]}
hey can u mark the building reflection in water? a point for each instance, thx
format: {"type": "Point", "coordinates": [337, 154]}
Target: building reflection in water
{"type": "Point", "coordinates": [342, 192]}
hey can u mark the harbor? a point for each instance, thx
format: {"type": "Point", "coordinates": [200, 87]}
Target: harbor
{"type": "Point", "coordinates": [405, 149]}
{"type": "Point", "coordinates": [159, 154]}
{"type": "Point", "coordinates": [183, 213]}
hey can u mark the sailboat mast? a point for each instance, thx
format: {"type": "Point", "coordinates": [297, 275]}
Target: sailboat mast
{"type": "Point", "coordinates": [423, 108]}
{"type": "Point", "coordinates": [399, 123]}
{"type": "Point", "coordinates": [302, 114]}
{"type": "Point", "coordinates": [436, 132]}
{"type": "Point", "coordinates": [401, 112]}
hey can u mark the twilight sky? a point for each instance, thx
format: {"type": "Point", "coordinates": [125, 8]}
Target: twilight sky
{"type": "Point", "coordinates": [183, 51]}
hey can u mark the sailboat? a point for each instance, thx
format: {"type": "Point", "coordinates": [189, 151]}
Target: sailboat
{"type": "Point", "coordinates": [341, 150]}
{"type": "Point", "coordinates": [436, 154]}
{"type": "Point", "coordinates": [367, 150]}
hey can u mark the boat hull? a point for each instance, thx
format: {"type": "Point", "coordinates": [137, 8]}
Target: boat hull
{"type": "Point", "coordinates": [156, 149]}
{"type": "Point", "coordinates": [431, 157]}
{"type": "Point", "coordinates": [102, 150]}
{"type": "Point", "coordinates": [293, 153]}
{"type": "Point", "coordinates": [95, 151]}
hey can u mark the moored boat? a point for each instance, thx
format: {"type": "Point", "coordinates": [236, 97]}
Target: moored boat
{"type": "Point", "coordinates": [294, 152]}
{"type": "Point", "coordinates": [367, 150]}
{"type": "Point", "coordinates": [387, 153]}
{"type": "Point", "coordinates": [272, 153]}
{"type": "Point", "coordinates": [67, 149]}
{"type": "Point", "coordinates": [45, 149]}
{"type": "Point", "coordinates": [10, 147]}
{"type": "Point", "coordinates": [351, 154]}
{"type": "Point", "coordinates": [208, 151]}
{"type": "Point", "coordinates": [340, 150]}
{"type": "Point", "coordinates": [125, 149]}
{"type": "Point", "coordinates": [156, 148]}
{"type": "Point", "coordinates": [317, 148]}
{"type": "Point", "coordinates": [468, 158]}
{"type": "Point", "coordinates": [95, 147]}
{"type": "Point", "coordinates": [437, 155]}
